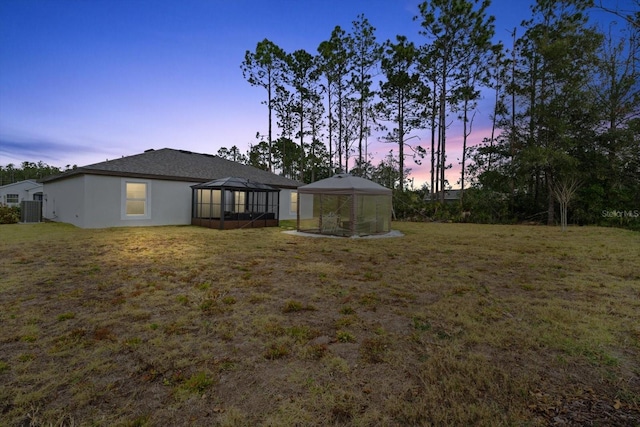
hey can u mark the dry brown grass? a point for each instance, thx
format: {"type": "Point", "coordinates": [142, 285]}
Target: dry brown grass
{"type": "Point", "coordinates": [448, 325]}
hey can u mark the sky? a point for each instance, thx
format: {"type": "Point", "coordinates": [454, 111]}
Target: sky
{"type": "Point", "coordinates": [83, 81]}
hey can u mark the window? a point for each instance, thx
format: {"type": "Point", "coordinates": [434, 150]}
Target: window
{"type": "Point", "coordinates": [135, 200]}
{"type": "Point", "coordinates": [13, 198]}
{"type": "Point", "coordinates": [294, 202]}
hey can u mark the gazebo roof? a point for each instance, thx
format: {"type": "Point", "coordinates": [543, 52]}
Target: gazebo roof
{"type": "Point", "coordinates": [236, 184]}
{"type": "Point", "coordinates": [344, 184]}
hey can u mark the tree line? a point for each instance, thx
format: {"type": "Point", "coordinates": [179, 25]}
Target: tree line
{"type": "Point", "coordinates": [568, 107]}
{"type": "Point", "coordinates": [564, 128]}
{"type": "Point", "coordinates": [12, 173]}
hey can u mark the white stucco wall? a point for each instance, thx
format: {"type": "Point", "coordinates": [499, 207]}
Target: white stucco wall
{"type": "Point", "coordinates": [306, 206]}
{"type": "Point", "coordinates": [93, 201]}
{"type": "Point", "coordinates": [96, 201]}
{"type": "Point", "coordinates": [168, 202]}
{"type": "Point", "coordinates": [285, 205]}
{"type": "Point", "coordinates": [62, 201]}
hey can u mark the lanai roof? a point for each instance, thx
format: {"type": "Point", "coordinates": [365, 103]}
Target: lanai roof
{"type": "Point", "coordinates": [178, 165]}
{"type": "Point", "coordinates": [235, 183]}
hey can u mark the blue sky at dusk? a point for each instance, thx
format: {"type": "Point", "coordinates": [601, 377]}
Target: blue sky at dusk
{"type": "Point", "coordinates": [85, 81]}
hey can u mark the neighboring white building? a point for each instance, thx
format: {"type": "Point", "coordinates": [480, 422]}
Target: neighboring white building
{"type": "Point", "coordinates": [13, 194]}
{"type": "Point", "coordinates": [152, 188]}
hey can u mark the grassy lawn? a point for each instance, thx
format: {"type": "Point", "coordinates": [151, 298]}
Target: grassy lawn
{"type": "Point", "coordinates": [451, 324]}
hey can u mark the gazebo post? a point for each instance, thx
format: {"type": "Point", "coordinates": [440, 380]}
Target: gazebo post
{"type": "Point", "coordinates": [321, 214]}
{"type": "Point", "coordinates": [210, 206]}
{"type": "Point", "coordinates": [222, 207]}
{"type": "Point", "coordinates": [352, 215]}
{"type": "Point", "coordinates": [297, 211]}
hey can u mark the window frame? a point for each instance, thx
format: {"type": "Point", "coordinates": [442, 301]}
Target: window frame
{"type": "Point", "coordinates": [124, 199]}
{"type": "Point", "coordinates": [13, 196]}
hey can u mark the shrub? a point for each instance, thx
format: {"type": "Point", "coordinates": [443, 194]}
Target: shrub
{"type": "Point", "coordinates": [409, 204]}
{"type": "Point", "coordinates": [9, 214]}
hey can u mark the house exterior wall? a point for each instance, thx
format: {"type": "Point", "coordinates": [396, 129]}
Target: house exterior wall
{"type": "Point", "coordinates": [24, 189]}
{"type": "Point", "coordinates": [168, 202]}
{"type": "Point", "coordinates": [97, 201]}
{"type": "Point", "coordinates": [63, 201]}
{"type": "Point", "coordinates": [306, 205]}
{"type": "Point", "coordinates": [285, 211]}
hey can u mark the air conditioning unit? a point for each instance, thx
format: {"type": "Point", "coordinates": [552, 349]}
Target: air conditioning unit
{"type": "Point", "coordinates": [31, 211]}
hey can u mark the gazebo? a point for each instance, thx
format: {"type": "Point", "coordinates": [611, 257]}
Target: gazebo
{"type": "Point", "coordinates": [344, 205]}
{"type": "Point", "coordinates": [228, 203]}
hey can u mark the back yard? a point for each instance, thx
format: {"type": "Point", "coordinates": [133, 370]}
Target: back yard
{"type": "Point", "coordinates": [451, 324]}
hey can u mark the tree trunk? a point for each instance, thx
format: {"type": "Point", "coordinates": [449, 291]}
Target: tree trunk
{"type": "Point", "coordinates": [443, 132]}
{"type": "Point", "coordinates": [301, 142]}
{"type": "Point", "coordinates": [401, 139]}
{"type": "Point", "coordinates": [340, 130]}
{"type": "Point", "coordinates": [551, 201]}
{"type": "Point", "coordinates": [433, 141]}
{"type": "Point", "coordinates": [330, 130]}
{"type": "Point", "coordinates": [464, 148]}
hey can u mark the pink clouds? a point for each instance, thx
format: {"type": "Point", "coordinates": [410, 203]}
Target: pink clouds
{"type": "Point", "coordinates": [422, 173]}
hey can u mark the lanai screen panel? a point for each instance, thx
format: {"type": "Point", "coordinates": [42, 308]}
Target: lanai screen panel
{"type": "Point", "coordinates": [235, 203]}
{"type": "Point", "coordinates": [207, 203]}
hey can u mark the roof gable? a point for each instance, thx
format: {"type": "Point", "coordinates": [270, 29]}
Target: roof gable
{"type": "Point", "coordinates": [27, 183]}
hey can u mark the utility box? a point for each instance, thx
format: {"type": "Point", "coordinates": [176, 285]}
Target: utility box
{"type": "Point", "coordinates": [31, 211]}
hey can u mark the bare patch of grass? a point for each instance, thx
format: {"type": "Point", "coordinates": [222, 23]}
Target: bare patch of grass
{"type": "Point", "coordinates": [452, 324]}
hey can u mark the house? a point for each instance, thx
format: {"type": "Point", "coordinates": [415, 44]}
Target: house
{"type": "Point", "coordinates": [13, 194]}
{"type": "Point", "coordinates": [152, 188]}
{"type": "Point", "coordinates": [450, 196]}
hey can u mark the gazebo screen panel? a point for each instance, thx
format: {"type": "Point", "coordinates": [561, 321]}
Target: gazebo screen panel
{"type": "Point", "coordinates": [335, 213]}
{"type": "Point", "coordinates": [331, 213]}
{"type": "Point", "coordinates": [373, 214]}
{"type": "Point", "coordinates": [345, 215]}
{"type": "Point", "coordinates": [308, 216]}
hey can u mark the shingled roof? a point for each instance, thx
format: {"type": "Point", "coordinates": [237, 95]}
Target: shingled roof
{"type": "Point", "coordinates": [178, 165]}
{"type": "Point", "coordinates": [344, 183]}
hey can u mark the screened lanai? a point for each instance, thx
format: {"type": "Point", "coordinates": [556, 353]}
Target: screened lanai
{"type": "Point", "coordinates": [228, 203]}
{"type": "Point", "coordinates": [344, 205]}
